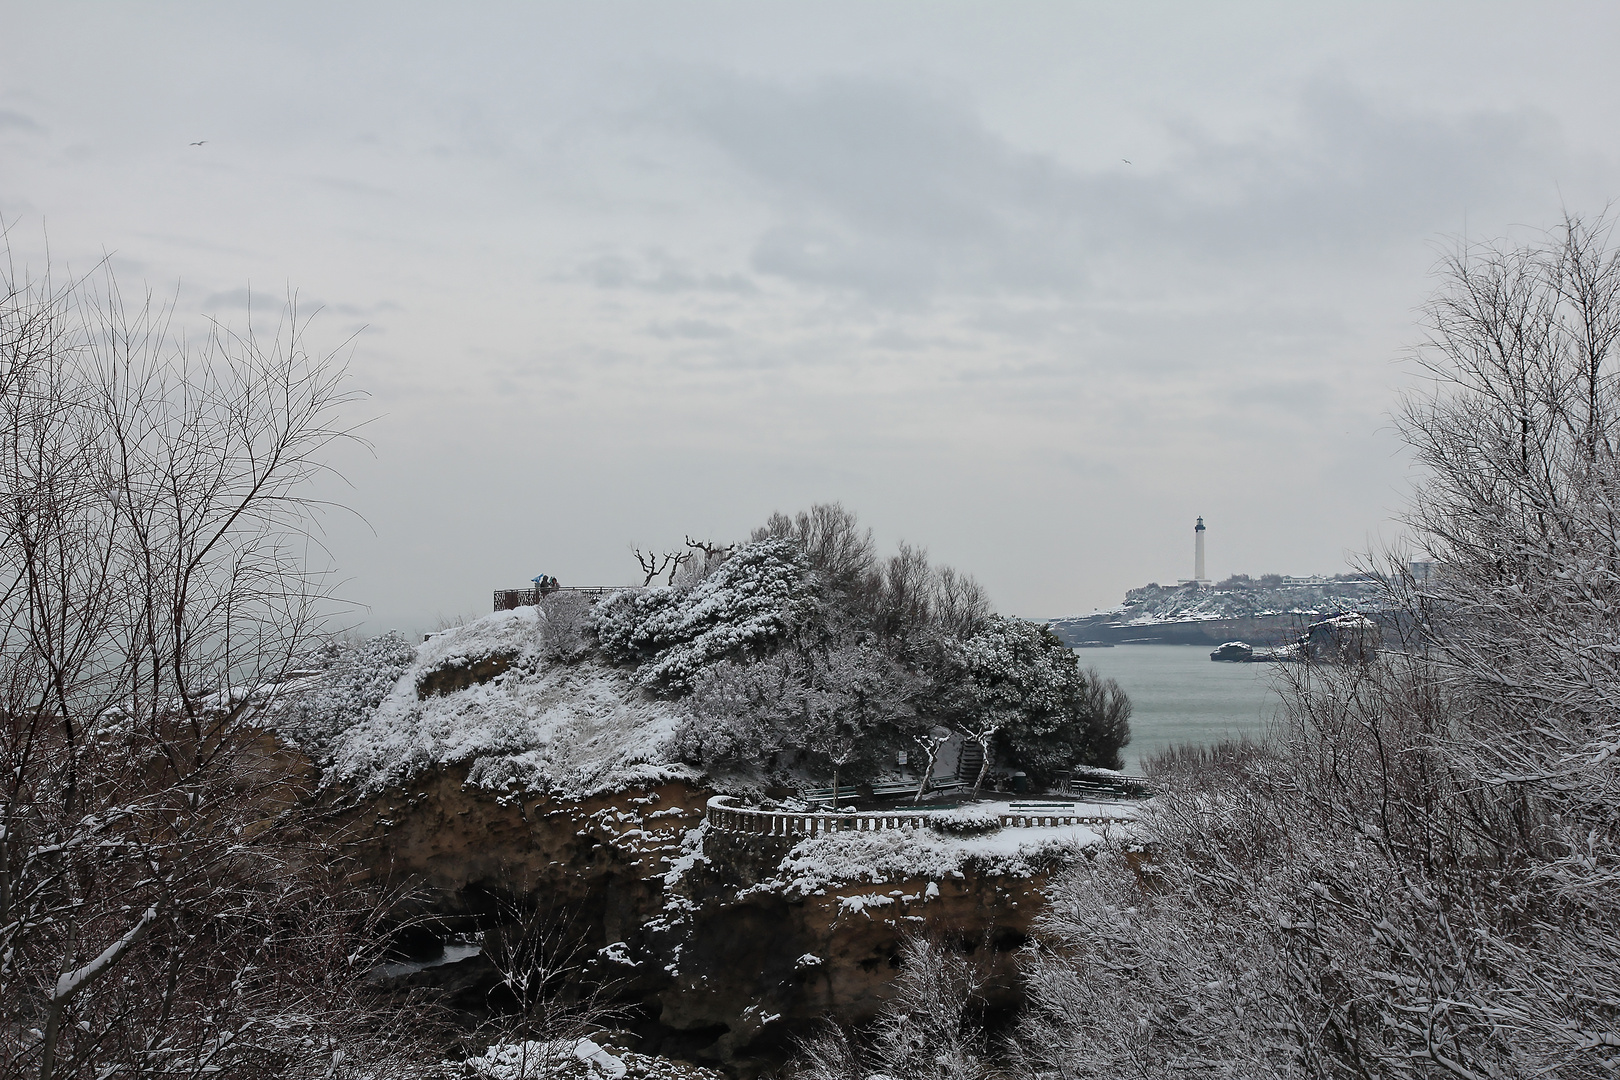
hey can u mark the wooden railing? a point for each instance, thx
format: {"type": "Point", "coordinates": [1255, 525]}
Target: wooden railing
{"type": "Point", "coordinates": [724, 816]}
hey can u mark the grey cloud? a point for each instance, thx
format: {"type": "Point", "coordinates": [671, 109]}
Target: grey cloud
{"type": "Point", "coordinates": [351, 186]}
{"type": "Point", "coordinates": [900, 196]}
{"type": "Point", "coordinates": [1307, 399]}
{"type": "Point", "coordinates": [661, 274]}
{"type": "Point", "coordinates": [891, 192]}
{"type": "Point", "coordinates": [16, 121]}
{"type": "Point", "coordinates": [266, 301]}
{"type": "Point", "coordinates": [691, 329]}
{"type": "Point", "coordinates": [1348, 175]}
{"type": "Point", "coordinates": [898, 340]}
{"type": "Point", "coordinates": [243, 299]}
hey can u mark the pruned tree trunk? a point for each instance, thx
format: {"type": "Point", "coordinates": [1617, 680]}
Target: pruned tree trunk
{"type": "Point", "coordinates": [931, 746]}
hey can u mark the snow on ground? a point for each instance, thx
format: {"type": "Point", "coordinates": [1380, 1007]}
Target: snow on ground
{"type": "Point", "coordinates": [573, 1059]}
{"type": "Point", "coordinates": [539, 725]}
{"type": "Point", "coordinates": [889, 855]}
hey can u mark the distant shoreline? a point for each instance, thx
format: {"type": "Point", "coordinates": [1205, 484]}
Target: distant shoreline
{"type": "Point", "coordinates": [1104, 630]}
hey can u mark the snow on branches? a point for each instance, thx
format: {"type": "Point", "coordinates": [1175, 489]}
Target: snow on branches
{"type": "Point", "coordinates": [749, 604]}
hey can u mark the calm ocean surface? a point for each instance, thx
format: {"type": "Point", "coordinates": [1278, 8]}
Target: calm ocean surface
{"type": "Point", "coordinates": [1179, 695]}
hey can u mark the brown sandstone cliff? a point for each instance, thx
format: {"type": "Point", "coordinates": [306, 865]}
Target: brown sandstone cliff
{"type": "Point", "coordinates": [722, 962]}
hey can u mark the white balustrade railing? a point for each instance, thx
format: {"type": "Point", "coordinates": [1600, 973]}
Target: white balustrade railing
{"type": "Point", "coordinates": [745, 819]}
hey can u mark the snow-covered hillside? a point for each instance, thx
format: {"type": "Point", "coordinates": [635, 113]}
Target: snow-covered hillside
{"type": "Point", "coordinates": [768, 667]}
{"type": "Point", "coordinates": [494, 695]}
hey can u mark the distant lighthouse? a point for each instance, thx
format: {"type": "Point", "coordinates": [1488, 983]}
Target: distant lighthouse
{"type": "Point", "coordinates": [1198, 552]}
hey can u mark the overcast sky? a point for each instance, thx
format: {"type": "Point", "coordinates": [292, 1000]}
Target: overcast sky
{"type": "Point", "coordinates": [1031, 285]}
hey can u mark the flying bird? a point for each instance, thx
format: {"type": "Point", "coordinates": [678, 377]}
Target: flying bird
{"type": "Point", "coordinates": [199, 142]}
{"type": "Point", "coordinates": [1126, 160]}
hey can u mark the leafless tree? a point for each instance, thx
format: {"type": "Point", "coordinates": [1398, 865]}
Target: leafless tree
{"type": "Point", "coordinates": [710, 549]}
{"type": "Point", "coordinates": [1419, 873]}
{"type": "Point", "coordinates": [928, 1030]}
{"type": "Point", "coordinates": [959, 603]}
{"type": "Point", "coordinates": [703, 557]}
{"type": "Point", "coordinates": [653, 564]}
{"type": "Point", "coordinates": [154, 592]}
{"type": "Point", "coordinates": [841, 551]}
{"type": "Point", "coordinates": [839, 745]}
{"type": "Point", "coordinates": [546, 1000]}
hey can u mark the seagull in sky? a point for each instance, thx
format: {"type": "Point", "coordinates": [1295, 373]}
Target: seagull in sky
{"type": "Point", "coordinates": [199, 142]}
{"type": "Point", "coordinates": [1126, 160]}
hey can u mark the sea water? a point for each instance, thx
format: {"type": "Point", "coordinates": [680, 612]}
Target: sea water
{"type": "Point", "coordinates": [1179, 695]}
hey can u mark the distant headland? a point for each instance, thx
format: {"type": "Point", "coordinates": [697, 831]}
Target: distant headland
{"type": "Point", "coordinates": [1266, 610]}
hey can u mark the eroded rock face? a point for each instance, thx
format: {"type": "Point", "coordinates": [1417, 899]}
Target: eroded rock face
{"type": "Point", "coordinates": [452, 677]}
{"type": "Point", "coordinates": [771, 965]}
{"type": "Point", "coordinates": [726, 965]}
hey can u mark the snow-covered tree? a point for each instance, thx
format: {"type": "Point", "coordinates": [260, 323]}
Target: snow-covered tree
{"type": "Point", "coordinates": [742, 611]}
{"type": "Point", "coordinates": [800, 650]}
{"type": "Point", "coordinates": [806, 706]}
{"type": "Point", "coordinates": [1030, 693]}
{"type": "Point", "coordinates": [1417, 875]}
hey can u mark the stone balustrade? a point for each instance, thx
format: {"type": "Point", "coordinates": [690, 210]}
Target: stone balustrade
{"type": "Point", "coordinates": [724, 815]}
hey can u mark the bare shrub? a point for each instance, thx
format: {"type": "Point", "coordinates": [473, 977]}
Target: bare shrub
{"type": "Point", "coordinates": [162, 907]}
{"type": "Point", "coordinates": [1416, 875]}
{"type": "Point", "coordinates": [929, 1030]}
{"type": "Point", "coordinates": [568, 634]}
{"type": "Point", "coordinates": [546, 998]}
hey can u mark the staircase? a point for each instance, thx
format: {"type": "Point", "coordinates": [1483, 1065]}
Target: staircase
{"type": "Point", "coordinates": [968, 762]}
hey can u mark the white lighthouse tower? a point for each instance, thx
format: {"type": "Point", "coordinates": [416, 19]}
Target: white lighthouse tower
{"type": "Point", "coordinates": [1198, 553]}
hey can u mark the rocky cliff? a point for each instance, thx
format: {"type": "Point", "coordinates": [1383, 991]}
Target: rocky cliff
{"type": "Point", "coordinates": [727, 945]}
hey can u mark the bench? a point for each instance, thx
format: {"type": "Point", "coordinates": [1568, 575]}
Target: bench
{"type": "Point", "coordinates": [888, 789]}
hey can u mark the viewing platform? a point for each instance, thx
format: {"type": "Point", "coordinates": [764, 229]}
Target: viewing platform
{"type": "Point", "coordinates": [507, 599]}
{"type": "Point", "coordinates": [724, 815]}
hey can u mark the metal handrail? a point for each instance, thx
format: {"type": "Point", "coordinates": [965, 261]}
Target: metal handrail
{"type": "Point", "coordinates": [506, 599]}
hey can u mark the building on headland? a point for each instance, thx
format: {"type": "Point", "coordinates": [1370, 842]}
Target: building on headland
{"type": "Point", "coordinates": [1199, 577]}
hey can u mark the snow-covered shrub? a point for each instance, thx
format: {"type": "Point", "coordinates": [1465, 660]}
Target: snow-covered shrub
{"type": "Point", "coordinates": [536, 724]}
{"type": "Point", "coordinates": [556, 727]}
{"type": "Point", "coordinates": [545, 1059]}
{"type": "Point", "coordinates": [356, 679]}
{"type": "Point", "coordinates": [836, 706]}
{"type": "Point", "coordinates": [569, 1059]}
{"type": "Point", "coordinates": [567, 628]}
{"type": "Point", "coordinates": [889, 855]}
{"type": "Point", "coordinates": [736, 715]}
{"type": "Point", "coordinates": [620, 621]}
{"type": "Point", "coordinates": [743, 610]}
{"type": "Point", "coordinates": [966, 820]}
